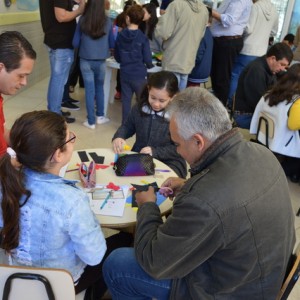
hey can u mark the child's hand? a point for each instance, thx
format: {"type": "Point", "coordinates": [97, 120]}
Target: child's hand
{"type": "Point", "coordinates": [146, 150]}
{"type": "Point", "coordinates": [118, 145]}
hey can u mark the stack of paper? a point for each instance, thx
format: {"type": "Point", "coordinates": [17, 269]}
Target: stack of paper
{"type": "Point", "coordinates": [108, 202]}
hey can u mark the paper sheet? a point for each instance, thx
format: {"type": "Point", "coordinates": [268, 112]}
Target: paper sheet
{"type": "Point", "coordinates": [115, 203]}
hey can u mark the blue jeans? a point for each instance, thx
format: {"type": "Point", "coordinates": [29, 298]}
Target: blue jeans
{"type": "Point", "coordinates": [240, 63]}
{"type": "Point", "coordinates": [243, 121]}
{"type": "Point", "coordinates": [182, 80]}
{"type": "Point", "coordinates": [93, 74]}
{"type": "Point", "coordinates": [126, 280]}
{"type": "Point", "coordinates": [60, 64]}
{"type": "Point", "coordinates": [128, 87]}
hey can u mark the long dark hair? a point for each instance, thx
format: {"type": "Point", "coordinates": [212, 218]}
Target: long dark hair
{"type": "Point", "coordinates": [92, 22]}
{"type": "Point", "coordinates": [160, 80]}
{"type": "Point", "coordinates": [34, 137]}
{"type": "Point", "coordinates": [149, 26]}
{"type": "Point", "coordinates": [286, 87]}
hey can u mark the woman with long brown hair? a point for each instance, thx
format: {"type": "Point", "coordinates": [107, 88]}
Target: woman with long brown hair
{"type": "Point", "coordinates": [46, 220]}
{"type": "Point", "coordinates": [282, 103]}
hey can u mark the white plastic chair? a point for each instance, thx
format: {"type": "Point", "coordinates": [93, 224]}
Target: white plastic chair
{"type": "Point", "coordinates": [24, 283]}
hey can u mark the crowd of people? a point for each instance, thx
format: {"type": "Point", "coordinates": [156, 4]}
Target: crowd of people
{"type": "Point", "coordinates": [236, 188]}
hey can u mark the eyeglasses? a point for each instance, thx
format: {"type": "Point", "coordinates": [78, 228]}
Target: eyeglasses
{"type": "Point", "coordinates": [70, 140]}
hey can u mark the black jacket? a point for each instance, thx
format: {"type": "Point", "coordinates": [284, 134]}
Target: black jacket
{"type": "Point", "coordinates": [152, 130]}
{"type": "Point", "coordinates": [253, 83]}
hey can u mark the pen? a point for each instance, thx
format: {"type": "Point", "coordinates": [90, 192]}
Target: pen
{"type": "Point", "coordinates": [72, 170]}
{"type": "Point", "coordinates": [162, 170]}
{"type": "Point", "coordinates": [105, 200]}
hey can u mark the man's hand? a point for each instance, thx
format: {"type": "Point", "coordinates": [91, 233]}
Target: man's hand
{"type": "Point", "coordinates": [175, 183]}
{"type": "Point", "coordinates": [143, 197]}
{"type": "Point", "coordinates": [81, 7]}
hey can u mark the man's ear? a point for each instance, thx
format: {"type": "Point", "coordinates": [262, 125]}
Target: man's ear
{"type": "Point", "coordinates": [200, 141]}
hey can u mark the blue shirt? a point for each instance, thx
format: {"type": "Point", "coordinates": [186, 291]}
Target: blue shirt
{"type": "Point", "coordinates": [94, 49]}
{"type": "Point", "coordinates": [234, 18]}
{"type": "Point", "coordinates": [57, 227]}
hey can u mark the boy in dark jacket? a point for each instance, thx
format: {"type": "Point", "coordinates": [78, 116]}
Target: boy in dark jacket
{"type": "Point", "coordinates": [132, 51]}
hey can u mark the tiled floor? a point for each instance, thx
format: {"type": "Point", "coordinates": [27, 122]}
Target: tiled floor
{"type": "Point", "coordinates": [35, 99]}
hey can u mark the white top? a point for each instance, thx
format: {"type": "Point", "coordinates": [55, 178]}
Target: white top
{"type": "Point", "coordinates": [284, 141]}
{"type": "Point", "coordinates": [262, 24]}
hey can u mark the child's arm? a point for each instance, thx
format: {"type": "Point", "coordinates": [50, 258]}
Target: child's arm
{"type": "Point", "coordinates": [127, 129]}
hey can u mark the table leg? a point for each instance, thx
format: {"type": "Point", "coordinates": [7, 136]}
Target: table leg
{"type": "Point", "coordinates": [107, 84]}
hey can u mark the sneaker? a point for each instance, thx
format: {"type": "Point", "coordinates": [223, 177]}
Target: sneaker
{"type": "Point", "coordinates": [73, 101]}
{"type": "Point", "coordinates": [70, 120]}
{"type": "Point", "coordinates": [102, 120]}
{"type": "Point", "coordinates": [117, 96]}
{"type": "Point", "coordinates": [70, 106]}
{"type": "Point", "coordinates": [65, 113]}
{"type": "Point", "coordinates": [86, 124]}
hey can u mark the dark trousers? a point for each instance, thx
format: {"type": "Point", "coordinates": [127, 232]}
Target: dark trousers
{"type": "Point", "coordinates": [291, 166]}
{"type": "Point", "coordinates": [92, 279]}
{"type": "Point", "coordinates": [130, 86]}
{"type": "Point", "coordinates": [75, 72]}
{"type": "Point", "coordinates": [225, 52]}
{"type": "Point", "coordinates": [118, 86]}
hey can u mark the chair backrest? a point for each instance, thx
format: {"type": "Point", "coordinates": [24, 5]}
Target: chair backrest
{"type": "Point", "coordinates": [26, 283]}
{"type": "Point", "coordinates": [293, 273]}
{"type": "Point", "coordinates": [265, 128]}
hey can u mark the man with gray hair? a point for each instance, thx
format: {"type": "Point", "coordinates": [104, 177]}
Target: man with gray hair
{"type": "Point", "coordinates": [221, 240]}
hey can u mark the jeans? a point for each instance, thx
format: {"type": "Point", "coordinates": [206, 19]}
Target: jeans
{"type": "Point", "coordinates": [243, 121]}
{"type": "Point", "coordinates": [182, 80]}
{"type": "Point", "coordinates": [128, 87]}
{"type": "Point", "coordinates": [60, 64]}
{"type": "Point", "coordinates": [240, 63]}
{"type": "Point", "coordinates": [93, 73]}
{"type": "Point", "coordinates": [126, 280]}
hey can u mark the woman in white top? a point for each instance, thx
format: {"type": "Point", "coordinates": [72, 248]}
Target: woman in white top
{"type": "Point", "coordinates": [282, 104]}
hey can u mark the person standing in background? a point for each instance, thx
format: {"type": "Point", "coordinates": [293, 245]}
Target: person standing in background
{"type": "Point", "coordinates": [132, 51]}
{"type": "Point", "coordinates": [94, 38]}
{"type": "Point", "coordinates": [59, 23]}
{"type": "Point", "coordinates": [181, 28]}
{"type": "Point", "coordinates": [263, 23]}
{"type": "Point", "coordinates": [297, 45]}
{"type": "Point", "coordinates": [227, 28]}
{"type": "Point", "coordinates": [148, 27]}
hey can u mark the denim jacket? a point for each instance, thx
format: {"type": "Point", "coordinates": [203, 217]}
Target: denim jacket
{"type": "Point", "coordinates": [57, 227]}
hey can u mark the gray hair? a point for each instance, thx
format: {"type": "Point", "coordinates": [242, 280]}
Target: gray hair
{"type": "Point", "coordinates": [198, 111]}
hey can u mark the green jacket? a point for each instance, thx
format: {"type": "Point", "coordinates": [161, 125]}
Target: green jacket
{"type": "Point", "coordinates": [231, 231]}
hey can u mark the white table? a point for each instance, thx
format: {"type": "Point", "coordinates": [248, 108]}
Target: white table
{"type": "Point", "coordinates": [110, 80]}
{"type": "Point", "coordinates": [104, 176]}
